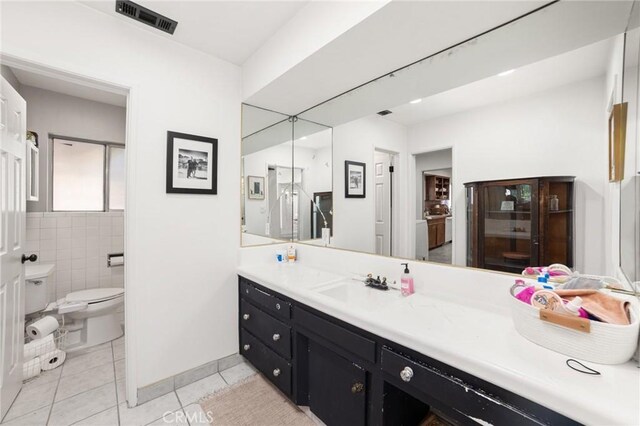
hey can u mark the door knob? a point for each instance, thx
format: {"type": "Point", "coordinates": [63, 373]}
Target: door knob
{"type": "Point", "coordinates": [30, 258]}
{"type": "Point", "coordinates": [406, 374]}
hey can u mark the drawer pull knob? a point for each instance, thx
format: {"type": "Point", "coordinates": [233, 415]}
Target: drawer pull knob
{"type": "Point", "coordinates": [276, 372]}
{"type": "Point", "coordinates": [247, 347]}
{"type": "Point", "coordinates": [245, 317]}
{"type": "Point", "coordinates": [406, 374]}
{"type": "Point", "coordinates": [277, 306]}
{"type": "Point", "coordinates": [276, 337]}
{"type": "Point", "coordinates": [357, 387]}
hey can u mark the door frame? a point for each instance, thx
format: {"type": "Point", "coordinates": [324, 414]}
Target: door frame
{"type": "Point", "coordinates": [453, 196]}
{"type": "Point", "coordinates": [130, 90]}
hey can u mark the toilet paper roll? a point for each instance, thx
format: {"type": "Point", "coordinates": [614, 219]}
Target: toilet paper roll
{"type": "Point", "coordinates": [31, 368]}
{"type": "Point", "coordinates": [39, 347]}
{"type": "Point", "coordinates": [52, 359]}
{"type": "Point", "coordinates": [42, 327]}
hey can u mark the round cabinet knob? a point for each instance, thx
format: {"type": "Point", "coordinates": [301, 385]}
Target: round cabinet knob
{"type": "Point", "coordinates": [357, 387]}
{"type": "Point", "coordinates": [276, 372]}
{"type": "Point", "coordinates": [277, 306]}
{"type": "Point", "coordinates": [406, 374]}
{"type": "Point", "coordinates": [247, 347]}
{"type": "Point", "coordinates": [276, 337]}
{"type": "Point", "coordinates": [245, 317]}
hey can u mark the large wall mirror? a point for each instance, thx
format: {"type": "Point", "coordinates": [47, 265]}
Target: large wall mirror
{"type": "Point", "coordinates": [491, 154]}
{"type": "Point", "coordinates": [287, 189]}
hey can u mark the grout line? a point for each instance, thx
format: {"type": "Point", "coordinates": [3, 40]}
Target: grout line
{"type": "Point", "coordinates": [115, 383]}
{"type": "Point", "coordinates": [94, 414]}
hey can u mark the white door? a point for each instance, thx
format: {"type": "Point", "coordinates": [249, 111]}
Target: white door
{"type": "Point", "coordinates": [13, 151]}
{"type": "Point", "coordinates": [381, 163]}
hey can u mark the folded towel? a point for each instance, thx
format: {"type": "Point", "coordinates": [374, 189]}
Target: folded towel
{"type": "Point", "coordinates": [606, 308]}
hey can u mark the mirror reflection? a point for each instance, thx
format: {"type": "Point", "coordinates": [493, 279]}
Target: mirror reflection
{"type": "Point", "coordinates": [491, 154]}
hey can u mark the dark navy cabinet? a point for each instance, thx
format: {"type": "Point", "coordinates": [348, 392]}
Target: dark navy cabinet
{"type": "Point", "coordinates": [348, 376]}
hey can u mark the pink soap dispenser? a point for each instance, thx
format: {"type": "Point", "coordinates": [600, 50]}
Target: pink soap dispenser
{"type": "Point", "coordinates": [406, 281]}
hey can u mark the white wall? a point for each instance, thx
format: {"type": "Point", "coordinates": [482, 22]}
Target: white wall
{"type": "Point", "coordinates": [51, 112]}
{"type": "Point", "coordinates": [354, 218]}
{"type": "Point", "coordinates": [558, 132]}
{"type": "Point", "coordinates": [181, 304]}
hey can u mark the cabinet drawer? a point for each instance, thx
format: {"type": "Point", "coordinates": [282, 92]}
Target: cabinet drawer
{"type": "Point", "coordinates": [348, 340]}
{"type": "Point", "coordinates": [270, 303]}
{"type": "Point", "coordinates": [452, 391]}
{"type": "Point", "coordinates": [272, 332]}
{"type": "Point", "coordinates": [274, 367]}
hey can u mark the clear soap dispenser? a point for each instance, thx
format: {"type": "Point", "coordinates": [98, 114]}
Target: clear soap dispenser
{"type": "Point", "coordinates": [406, 281]}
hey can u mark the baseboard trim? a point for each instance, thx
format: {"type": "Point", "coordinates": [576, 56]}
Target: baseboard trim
{"type": "Point", "coordinates": [185, 378]}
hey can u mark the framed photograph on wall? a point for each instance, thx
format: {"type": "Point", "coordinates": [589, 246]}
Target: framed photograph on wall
{"type": "Point", "coordinates": [192, 164]}
{"type": "Point", "coordinates": [355, 179]}
{"type": "Point", "coordinates": [256, 187]}
{"type": "Point", "coordinates": [617, 137]}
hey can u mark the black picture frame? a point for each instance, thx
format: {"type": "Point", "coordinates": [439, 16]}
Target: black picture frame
{"type": "Point", "coordinates": [211, 160]}
{"type": "Point", "coordinates": [350, 192]}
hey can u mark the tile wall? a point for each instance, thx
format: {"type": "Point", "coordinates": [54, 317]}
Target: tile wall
{"type": "Point", "coordinates": [78, 244]}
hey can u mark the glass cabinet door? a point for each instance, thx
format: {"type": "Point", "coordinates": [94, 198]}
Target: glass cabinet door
{"type": "Point", "coordinates": [509, 235]}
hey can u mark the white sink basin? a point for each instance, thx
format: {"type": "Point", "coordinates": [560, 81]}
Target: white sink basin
{"type": "Point", "coordinates": [356, 294]}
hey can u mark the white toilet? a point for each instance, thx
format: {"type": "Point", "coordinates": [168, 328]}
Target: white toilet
{"type": "Point", "coordinates": [90, 315]}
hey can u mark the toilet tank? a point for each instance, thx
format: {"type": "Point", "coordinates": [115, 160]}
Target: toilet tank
{"type": "Point", "coordinates": [36, 291]}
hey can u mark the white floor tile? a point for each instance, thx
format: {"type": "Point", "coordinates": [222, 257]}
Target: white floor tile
{"type": "Point", "coordinates": [120, 369]}
{"type": "Point", "coordinates": [118, 351]}
{"type": "Point", "coordinates": [31, 398]}
{"type": "Point", "coordinates": [196, 415]}
{"type": "Point", "coordinates": [237, 373]}
{"type": "Point", "coordinates": [86, 361]}
{"type": "Point", "coordinates": [84, 405]}
{"type": "Point", "coordinates": [108, 417]}
{"type": "Point", "coordinates": [177, 418]}
{"type": "Point", "coordinates": [79, 353]}
{"type": "Point", "coordinates": [45, 377]}
{"type": "Point", "coordinates": [35, 418]}
{"type": "Point", "coordinates": [197, 390]}
{"type": "Point", "coordinates": [74, 384]}
{"type": "Point", "coordinates": [149, 411]}
{"type": "Point", "coordinates": [121, 391]}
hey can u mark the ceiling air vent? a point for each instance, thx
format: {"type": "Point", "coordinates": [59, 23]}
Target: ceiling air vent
{"type": "Point", "coordinates": [385, 112]}
{"type": "Point", "coordinates": [146, 16]}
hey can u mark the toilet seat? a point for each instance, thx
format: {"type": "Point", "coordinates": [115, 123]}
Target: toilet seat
{"type": "Point", "coordinates": [94, 295]}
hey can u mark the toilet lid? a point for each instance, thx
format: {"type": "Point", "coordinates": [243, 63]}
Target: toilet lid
{"type": "Point", "coordinates": [94, 295]}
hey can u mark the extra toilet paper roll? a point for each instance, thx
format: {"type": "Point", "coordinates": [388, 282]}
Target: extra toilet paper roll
{"type": "Point", "coordinates": [31, 368]}
{"type": "Point", "coordinates": [52, 359]}
{"type": "Point", "coordinates": [39, 347]}
{"type": "Point", "coordinates": [42, 327]}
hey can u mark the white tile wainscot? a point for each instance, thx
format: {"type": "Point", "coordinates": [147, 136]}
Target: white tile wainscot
{"type": "Point", "coordinates": [458, 316]}
{"type": "Point", "coordinates": [78, 244]}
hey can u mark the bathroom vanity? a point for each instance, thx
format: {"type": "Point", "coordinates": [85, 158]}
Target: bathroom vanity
{"type": "Point", "coordinates": [332, 344]}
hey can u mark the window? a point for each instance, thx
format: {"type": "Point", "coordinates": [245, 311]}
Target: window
{"type": "Point", "coordinates": [87, 176]}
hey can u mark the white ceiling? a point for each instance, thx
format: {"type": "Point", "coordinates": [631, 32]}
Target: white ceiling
{"type": "Point", "coordinates": [229, 30]}
{"type": "Point", "coordinates": [66, 87]}
{"type": "Point", "coordinates": [578, 65]}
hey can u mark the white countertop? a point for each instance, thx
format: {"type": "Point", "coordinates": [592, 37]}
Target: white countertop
{"type": "Point", "coordinates": [474, 339]}
{"type": "Point", "coordinates": [38, 270]}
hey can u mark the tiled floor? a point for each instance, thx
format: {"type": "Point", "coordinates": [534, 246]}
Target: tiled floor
{"type": "Point", "coordinates": [89, 390]}
{"type": "Point", "coordinates": [441, 254]}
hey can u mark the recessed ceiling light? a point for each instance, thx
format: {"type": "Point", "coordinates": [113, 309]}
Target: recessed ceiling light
{"type": "Point", "coordinates": [502, 74]}
{"type": "Point", "coordinates": [416, 101]}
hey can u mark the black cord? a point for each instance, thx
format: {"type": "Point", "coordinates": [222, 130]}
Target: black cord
{"type": "Point", "coordinates": [587, 370]}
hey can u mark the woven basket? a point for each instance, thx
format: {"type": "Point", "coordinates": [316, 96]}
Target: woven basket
{"type": "Point", "coordinates": [603, 344]}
